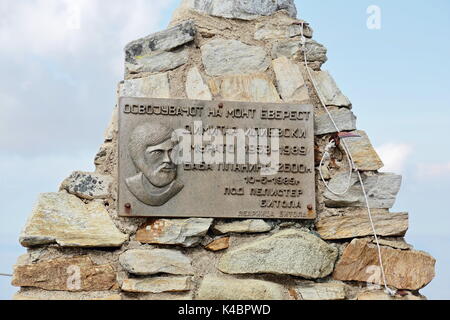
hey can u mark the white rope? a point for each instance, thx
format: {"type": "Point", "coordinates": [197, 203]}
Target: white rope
{"type": "Point", "coordinates": [5, 275]}
{"type": "Point", "coordinates": [351, 162]}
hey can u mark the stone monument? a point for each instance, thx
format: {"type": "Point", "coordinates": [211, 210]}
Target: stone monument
{"type": "Point", "coordinates": [131, 230]}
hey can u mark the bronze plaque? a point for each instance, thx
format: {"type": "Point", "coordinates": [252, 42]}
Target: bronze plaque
{"type": "Point", "coordinates": [189, 158]}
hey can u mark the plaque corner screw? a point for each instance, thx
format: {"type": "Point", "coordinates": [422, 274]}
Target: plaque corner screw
{"type": "Point", "coordinates": [127, 206]}
{"type": "Point", "coordinates": [310, 207]}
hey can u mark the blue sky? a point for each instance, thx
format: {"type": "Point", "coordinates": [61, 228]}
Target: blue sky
{"type": "Point", "coordinates": [58, 89]}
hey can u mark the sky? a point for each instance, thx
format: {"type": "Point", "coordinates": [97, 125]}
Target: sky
{"type": "Point", "coordinates": [61, 61]}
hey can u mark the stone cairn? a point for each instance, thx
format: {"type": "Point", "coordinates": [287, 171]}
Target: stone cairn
{"type": "Point", "coordinates": [78, 247]}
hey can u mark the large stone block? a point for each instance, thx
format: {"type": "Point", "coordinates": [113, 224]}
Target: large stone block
{"type": "Point", "coordinates": [196, 88]}
{"type": "Point", "coordinates": [363, 153]}
{"type": "Point", "coordinates": [321, 291]}
{"type": "Point", "coordinates": [290, 82]}
{"type": "Point", "coordinates": [158, 62]}
{"type": "Point", "coordinates": [252, 87]}
{"type": "Point", "coordinates": [316, 53]}
{"type": "Point", "coordinates": [161, 41]}
{"type": "Point", "coordinates": [183, 232]}
{"type": "Point", "coordinates": [154, 86]}
{"type": "Point", "coordinates": [157, 285]}
{"type": "Point", "coordinates": [347, 227]}
{"type": "Point", "coordinates": [243, 226]}
{"type": "Point", "coordinates": [410, 270]}
{"type": "Point", "coordinates": [144, 262]}
{"type": "Point", "coordinates": [66, 220]}
{"type": "Point", "coordinates": [329, 90]}
{"type": "Point", "coordinates": [291, 252]}
{"type": "Point", "coordinates": [239, 9]}
{"type": "Point", "coordinates": [225, 57]}
{"type": "Point", "coordinates": [88, 185]}
{"type": "Point", "coordinates": [382, 190]}
{"type": "Point", "coordinates": [66, 274]}
{"type": "Point", "coordinates": [215, 288]}
{"type": "Point", "coordinates": [344, 119]}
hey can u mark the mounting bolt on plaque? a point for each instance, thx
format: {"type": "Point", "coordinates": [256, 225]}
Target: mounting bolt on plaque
{"type": "Point", "coordinates": [127, 208]}
{"type": "Point", "coordinates": [310, 207]}
{"type": "Point", "coordinates": [220, 105]}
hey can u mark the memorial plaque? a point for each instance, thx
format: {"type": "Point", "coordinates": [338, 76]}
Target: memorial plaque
{"type": "Point", "coordinates": [189, 158]}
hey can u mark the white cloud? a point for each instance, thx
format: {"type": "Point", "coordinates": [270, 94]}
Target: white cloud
{"type": "Point", "coordinates": [394, 156]}
{"type": "Point", "coordinates": [61, 27]}
{"type": "Point", "coordinates": [61, 61]}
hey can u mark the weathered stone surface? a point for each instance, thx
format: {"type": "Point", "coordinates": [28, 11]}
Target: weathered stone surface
{"type": "Point", "coordinates": [62, 275]}
{"type": "Point", "coordinates": [215, 288]}
{"type": "Point", "coordinates": [240, 9]}
{"type": "Point", "coordinates": [253, 87]}
{"type": "Point", "coordinates": [243, 226]}
{"type": "Point", "coordinates": [218, 244]}
{"type": "Point", "coordinates": [144, 262]}
{"type": "Point", "coordinates": [290, 82]}
{"type": "Point", "coordinates": [283, 30]}
{"type": "Point", "coordinates": [196, 89]}
{"type": "Point", "coordinates": [322, 291]}
{"type": "Point", "coordinates": [225, 57]}
{"type": "Point", "coordinates": [183, 232]}
{"type": "Point", "coordinates": [66, 220]}
{"type": "Point", "coordinates": [410, 270]}
{"type": "Point", "coordinates": [395, 243]}
{"type": "Point", "coordinates": [154, 86]}
{"type": "Point", "coordinates": [160, 41]}
{"type": "Point", "coordinates": [295, 30]}
{"type": "Point", "coordinates": [157, 285]}
{"type": "Point", "coordinates": [363, 153]}
{"type": "Point", "coordinates": [291, 251]}
{"type": "Point", "coordinates": [158, 62]}
{"type": "Point", "coordinates": [316, 53]}
{"type": "Point", "coordinates": [347, 227]}
{"type": "Point", "coordinates": [329, 90]}
{"type": "Point", "coordinates": [344, 119]}
{"type": "Point", "coordinates": [382, 190]}
{"type": "Point", "coordinates": [381, 295]}
{"type": "Point", "coordinates": [43, 295]}
{"type": "Point", "coordinates": [88, 185]}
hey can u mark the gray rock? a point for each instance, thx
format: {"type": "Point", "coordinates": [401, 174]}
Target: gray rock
{"type": "Point", "coordinates": [290, 81]}
{"type": "Point", "coordinates": [344, 118]}
{"type": "Point", "coordinates": [240, 9]}
{"type": "Point", "coordinates": [224, 57]}
{"type": "Point", "coordinates": [215, 288]}
{"type": "Point", "coordinates": [363, 152]}
{"type": "Point", "coordinates": [329, 90]}
{"type": "Point", "coordinates": [88, 185]}
{"type": "Point", "coordinates": [161, 41]}
{"type": "Point", "coordinates": [157, 285]}
{"type": "Point", "coordinates": [257, 87]}
{"type": "Point", "coordinates": [322, 291]}
{"type": "Point", "coordinates": [382, 190]}
{"type": "Point", "coordinates": [243, 226]}
{"type": "Point", "coordinates": [291, 252]}
{"type": "Point", "coordinates": [296, 30]}
{"type": "Point", "coordinates": [183, 232]}
{"type": "Point", "coordinates": [144, 262]}
{"type": "Point", "coordinates": [281, 30]}
{"type": "Point", "coordinates": [353, 226]}
{"type": "Point", "coordinates": [316, 53]}
{"type": "Point", "coordinates": [158, 62]}
{"type": "Point", "coordinates": [196, 88]}
{"type": "Point", "coordinates": [64, 219]}
{"type": "Point", "coordinates": [154, 86]}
